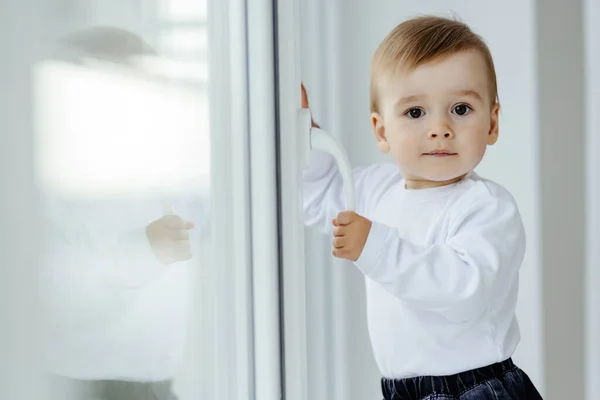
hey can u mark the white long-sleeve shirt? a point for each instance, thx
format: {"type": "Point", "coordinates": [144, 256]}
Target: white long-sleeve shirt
{"type": "Point", "coordinates": [441, 266]}
{"type": "Point", "coordinates": [111, 310]}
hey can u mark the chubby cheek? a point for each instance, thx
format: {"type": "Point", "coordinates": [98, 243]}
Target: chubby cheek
{"type": "Point", "coordinates": [473, 149]}
{"type": "Point", "coordinates": [405, 149]}
{"type": "Point", "coordinates": [481, 149]}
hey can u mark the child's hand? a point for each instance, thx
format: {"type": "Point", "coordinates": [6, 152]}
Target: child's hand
{"type": "Point", "coordinates": [350, 235]}
{"type": "Point", "coordinates": [170, 239]}
{"type": "Point", "coordinates": [305, 103]}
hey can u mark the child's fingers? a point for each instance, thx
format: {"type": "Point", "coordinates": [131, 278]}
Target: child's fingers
{"type": "Point", "coordinates": [345, 217]}
{"type": "Point", "coordinates": [339, 231]}
{"type": "Point", "coordinates": [338, 242]}
{"type": "Point", "coordinates": [176, 222]}
{"type": "Point", "coordinates": [181, 246]}
{"type": "Point", "coordinates": [178, 234]}
{"type": "Point", "coordinates": [338, 253]}
{"type": "Point", "coordinates": [173, 222]}
{"type": "Point", "coordinates": [304, 96]}
{"type": "Point", "coordinates": [306, 105]}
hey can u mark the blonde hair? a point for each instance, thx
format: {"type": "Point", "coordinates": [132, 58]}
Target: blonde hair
{"type": "Point", "coordinates": [423, 39]}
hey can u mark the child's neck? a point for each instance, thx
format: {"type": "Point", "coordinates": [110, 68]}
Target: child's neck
{"type": "Point", "coordinates": [418, 184]}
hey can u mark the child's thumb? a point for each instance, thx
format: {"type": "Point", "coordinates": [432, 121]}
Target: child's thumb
{"type": "Point", "coordinates": [345, 217]}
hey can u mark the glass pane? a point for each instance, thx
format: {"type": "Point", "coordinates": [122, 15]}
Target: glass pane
{"type": "Point", "coordinates": [184, 41]}
{"type": "Point", "coordinates": [182, 10]}
{"type": "Point", "coordinates": [123, 161]}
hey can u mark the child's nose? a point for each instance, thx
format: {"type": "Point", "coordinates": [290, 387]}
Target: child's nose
{"type": "Point", "coordinates": [441, 132]}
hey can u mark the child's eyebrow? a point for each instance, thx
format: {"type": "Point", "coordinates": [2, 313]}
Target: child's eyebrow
{"type": "Point", "coordinates": [407, 99]}
{"type": "Point", "coordinates": [416, 98]}
{"type": "Point", "coordinates": [469, 93]}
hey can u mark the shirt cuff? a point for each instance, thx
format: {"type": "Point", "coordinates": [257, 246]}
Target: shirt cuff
{"type": "Point", "coordinates": [370, 258]}
{"type": "Point", "coordinates": [136, 264]}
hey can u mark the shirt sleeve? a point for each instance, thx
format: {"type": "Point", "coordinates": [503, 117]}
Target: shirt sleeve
{"type": "Point", "coordinates": [458, 278]}
{"type": "Point", "coordinates": [323, 189]}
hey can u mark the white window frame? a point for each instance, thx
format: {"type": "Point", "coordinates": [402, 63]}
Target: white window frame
{"type": "Point", "coordinates": [20, 216]}
{"type": "Point", "coordinates": [265, 233]}
{"type": "Point", "coordinates": [291, 138]}
{"type": "Point", "coordinates": [231, 213]}
{"type": "Point", "coordinates": [244, 149]}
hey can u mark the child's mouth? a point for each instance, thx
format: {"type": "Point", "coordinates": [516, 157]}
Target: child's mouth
{"type": "Point", "coordinates": [440, 153]}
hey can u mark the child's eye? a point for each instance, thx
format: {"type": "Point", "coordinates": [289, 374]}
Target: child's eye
{"type": "Point", "coordinates": [462, 109]}
{"type": "Point", "coordinates": [415, 113]}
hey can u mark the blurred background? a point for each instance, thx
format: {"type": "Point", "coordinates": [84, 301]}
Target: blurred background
{"type": "Point", "coordinates": [123, 120]}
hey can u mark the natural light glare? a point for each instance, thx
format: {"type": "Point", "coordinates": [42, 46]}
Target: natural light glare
{"type": "Point", "coordinates": [183, 10]}
{"type": "Point", "coordinates": [184, 41]}
{"type": "Point", "coordinates": [195, 71]}
{"type": "Point", "coordinates": [110, 131]}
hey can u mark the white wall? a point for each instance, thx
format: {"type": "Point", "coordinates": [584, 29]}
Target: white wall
{"type": "Point", "coordinates": [341, 104]}
{"type": "Point", "coordinates": [561, 118]}
{"type": "Point", "coordinates": [592, 32]}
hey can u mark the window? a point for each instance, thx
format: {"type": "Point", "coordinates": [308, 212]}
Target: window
{"type": "Point", "coordinates": [115, 142]}
{"type": "Point", "coordinates": [127, 159]}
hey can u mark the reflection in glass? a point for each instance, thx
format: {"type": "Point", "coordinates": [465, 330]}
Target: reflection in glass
{"type": "Point", "coordinates": [123, 162]}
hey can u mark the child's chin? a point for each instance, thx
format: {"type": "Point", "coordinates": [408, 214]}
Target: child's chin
{"type": "Point", "coordinates": [439, 176]}
{"type": "Point", "coordinates": [444, 176]}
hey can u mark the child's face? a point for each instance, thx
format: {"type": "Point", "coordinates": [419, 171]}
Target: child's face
{"type": "Point", "coordinates": [437, 119]}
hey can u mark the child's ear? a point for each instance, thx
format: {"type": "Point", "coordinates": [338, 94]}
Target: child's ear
{"type": "Point", "coordinates": [494, 129]}
{"type": "Point", "coordinates": [379, 131]}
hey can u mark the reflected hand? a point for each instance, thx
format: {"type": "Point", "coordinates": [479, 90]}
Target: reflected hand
{"type": "Point", "coordinates": [350, 235]}
{"type": "Point", "coordinates": [170, 239]}
{"type": "Point", "coordinates": [305, 103]}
